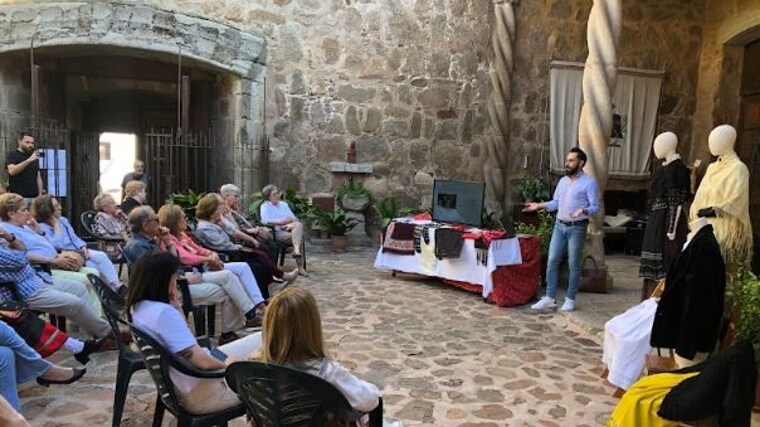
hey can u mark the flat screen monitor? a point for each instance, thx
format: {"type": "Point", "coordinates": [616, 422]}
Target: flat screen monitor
{"type": "Point", "coordinates": [458, 202]}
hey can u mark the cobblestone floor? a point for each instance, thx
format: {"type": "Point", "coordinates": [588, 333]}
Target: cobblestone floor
{"type": "Point", "coordinates": [439, 355]}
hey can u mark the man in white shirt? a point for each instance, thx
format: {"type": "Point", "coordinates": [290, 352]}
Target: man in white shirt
{"type": "Point", "coordinates": [287, 227]}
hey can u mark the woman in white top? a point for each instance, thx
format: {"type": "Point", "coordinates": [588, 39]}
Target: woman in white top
{"type": "Point", "coordinates": [292, 336]}
{"type": "Point", "coordinates": [288, 228]}
{"type": "Point", "coordinates": [153, 307]}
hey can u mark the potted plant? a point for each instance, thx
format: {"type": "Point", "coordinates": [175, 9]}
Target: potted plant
{"type": "Point", "coordinates": [187, 201]}
{"type": "Point", "coordinates": [354, 197]}
{"type": "Point", "coordinates": [543, 229]}
{"type": "Point", "coordinates": [744, 295]}
{"type": "Point", "coordinates": [532, 190]}
{"type": "Point", "coordinates": [336, 224]}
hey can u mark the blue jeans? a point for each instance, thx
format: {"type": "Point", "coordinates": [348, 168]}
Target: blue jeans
{"type": "Point", "coordinates": [19, 363]}
{"type": "Point", "coordinates": [570, 238]}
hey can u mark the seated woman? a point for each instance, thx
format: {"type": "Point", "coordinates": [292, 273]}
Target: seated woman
{"type": "Point", "coordinates": [15, 219]}
{"type": "Point", "coordinates": [134, 195]}
{"type": "Point", "coordinates": [234, 222]}
{"type": "Point", "coordinates": [153, 307]}
{"type": "Point", "coordinates": [288, 229]}
{"type": "Point", "coordinates": [192, 255]}
{"type": "Point", "coordinates": [110, 222]}
{"type": "Point", "coordinates": [47, 212]}
{"type": "Point", "coordinates": [19, 363]}
{"type": "Point", "coordinates": [208, 212]}
{"type": "Point", "coordinates": [292, 336]}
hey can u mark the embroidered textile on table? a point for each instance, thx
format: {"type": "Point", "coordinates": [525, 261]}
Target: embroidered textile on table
{"type": "Point", "coordinates": [448, 243]}
{"type": "Point", "coordinates": [399, 238]}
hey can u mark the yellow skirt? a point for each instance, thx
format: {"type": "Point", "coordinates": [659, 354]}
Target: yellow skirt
{"type": "Point", "coordinates": [639, 405]}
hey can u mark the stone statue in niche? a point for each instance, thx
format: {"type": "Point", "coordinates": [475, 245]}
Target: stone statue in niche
{"type": "Point", "coordinates": [351, 152]}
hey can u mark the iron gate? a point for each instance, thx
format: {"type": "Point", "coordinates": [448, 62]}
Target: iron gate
{"type": "Point", "coordinates": [177, 162]}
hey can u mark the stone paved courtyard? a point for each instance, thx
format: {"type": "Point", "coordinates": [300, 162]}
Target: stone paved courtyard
{"type": "Point", "coordinates": [439, 355]}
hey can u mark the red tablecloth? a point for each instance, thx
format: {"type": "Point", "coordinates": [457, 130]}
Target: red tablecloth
{"type": "Point", "coordinates": [514, 284]}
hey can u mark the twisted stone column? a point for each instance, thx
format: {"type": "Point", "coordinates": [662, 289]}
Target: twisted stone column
{"type": "Point", "coordinates": [495, 168]}
{"type": "Point", "coordinates": [595, 127]}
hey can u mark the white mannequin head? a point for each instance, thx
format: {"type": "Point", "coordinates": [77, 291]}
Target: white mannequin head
{"type": "Point", "coordinates": [665, 145]}
{"type": "Point", "coordinates": [721, 140]}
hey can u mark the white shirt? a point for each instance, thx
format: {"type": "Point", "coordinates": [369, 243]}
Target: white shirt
{"type": "Point", "coordinates": [270, 212]}
{"type": "Point", "coordinates": [362, 395]}
{"type": "Point", "coordinates": [169, 327]}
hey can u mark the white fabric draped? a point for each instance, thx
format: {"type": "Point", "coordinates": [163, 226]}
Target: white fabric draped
{"type": "Point", "coordinates": [636, 100]}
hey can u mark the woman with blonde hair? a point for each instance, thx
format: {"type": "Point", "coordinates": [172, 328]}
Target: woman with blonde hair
{"type": "Point", "coordinates": [292, 336]}
{"type": "Point", "coordinates": [135, 194]}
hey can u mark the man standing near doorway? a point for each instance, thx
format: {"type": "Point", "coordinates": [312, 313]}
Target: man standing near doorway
{"type": "Point", "coordinates": [575, 199]}
{"type": "Point", "coordinates": [24, 168]}
{"type": "Point", "coordinates": [138, 175]}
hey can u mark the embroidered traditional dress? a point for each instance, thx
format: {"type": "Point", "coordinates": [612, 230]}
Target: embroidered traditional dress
{"type": "Point", "coordinates": [669, 190]}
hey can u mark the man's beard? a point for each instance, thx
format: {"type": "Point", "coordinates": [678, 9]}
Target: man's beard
{"type": "Point", "coordinates": [572, 171]}
{"type": "Point", "coordinates": [27, 149]}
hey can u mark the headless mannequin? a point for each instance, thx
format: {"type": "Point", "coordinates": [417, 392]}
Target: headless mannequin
{"type": "Point", "coordinates": [723, 198]}
{"type": "Point", "coordinates": [682, 362]}
{"type": "Point", "coordinates": [664, 220]}
{"type": "Point", "coordinates": [665, 149]}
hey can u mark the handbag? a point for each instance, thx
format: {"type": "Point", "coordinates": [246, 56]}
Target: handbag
{"type": "Point", "coordinates": [76, 256]}
{"type": "Point", "coordinates": [43, 337]}
{"type": "Point", "coordinates": [593, 279]}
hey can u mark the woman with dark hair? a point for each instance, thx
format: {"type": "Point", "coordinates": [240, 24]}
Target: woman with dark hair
{"type": "Point", "coordinates": [47, 211]}
{"type": "Point", "coordinates": [152, 306]}
{"type": "Point", "coordinates": [211, 235]}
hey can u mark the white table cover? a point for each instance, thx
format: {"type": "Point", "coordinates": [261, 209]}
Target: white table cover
{"type": "Point", "coordinates": [466, 268]}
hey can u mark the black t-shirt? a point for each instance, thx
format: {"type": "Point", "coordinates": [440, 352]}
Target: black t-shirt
{"type": "Point", "coordinates": [24, 183]}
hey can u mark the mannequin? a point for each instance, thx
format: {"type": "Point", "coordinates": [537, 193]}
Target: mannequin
{"type": "Point", "coordinates": [723, 198]}
{"type": "Point", "coordinates": [666, 228]}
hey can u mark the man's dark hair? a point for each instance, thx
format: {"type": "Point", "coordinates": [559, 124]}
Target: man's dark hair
{"type": "Point", "coordinates": [580, 153]}
{"type": "Point", "coordinates": [23, 133]}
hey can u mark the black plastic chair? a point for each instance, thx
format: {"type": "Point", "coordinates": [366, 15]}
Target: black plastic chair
{"type": "Point", "coordinates": [278, 396]}
{"type": "Point", "coordinates": [129, 360]}
{"type": "Point", "coordinates": [284, 247]}
{"type": "Point", "coordinates": [158, 360]}
{"type": "Point", "coordinates": [88, 219]}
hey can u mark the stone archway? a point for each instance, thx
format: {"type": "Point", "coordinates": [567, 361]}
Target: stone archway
{"type": "Point", "coordinates": [152, 34]}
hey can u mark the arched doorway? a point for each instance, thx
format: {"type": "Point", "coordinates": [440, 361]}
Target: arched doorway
{"type": "Point", "coordinates": [116, 68]}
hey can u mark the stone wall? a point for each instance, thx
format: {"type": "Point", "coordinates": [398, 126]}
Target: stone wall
{"type": "Point", "coordinates": [660, 35]}
{"type": "Point", "coordinates": [720, 67]}
{"type": "Point", "coordinates": [405, 80]}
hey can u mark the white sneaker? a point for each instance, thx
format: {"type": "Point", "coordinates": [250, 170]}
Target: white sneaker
{"type": "Point", "coordinates": [569, 305]}
{"type": "Point", "coordinates": [545, 303]}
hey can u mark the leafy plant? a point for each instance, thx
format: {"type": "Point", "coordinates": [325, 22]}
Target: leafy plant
{"type": "Point", "coordinates": [532, 189]}
{"type": "Point", "coordinates": [489, 221]}
{"type": "Point", "coordinates": [744, 295]}
{"type": "Point", "coordinates": [187, 201]}
{"type": "Point", "coordinates": [299, 205]}
{"type": "Point", "coordinates": [386, 210]}
{"type": "Point", "coordinates": [335, 223]}
{"type": "Point", "coordinates": [543, 230]}
{"type": "Point", "coordinates": [352, 189]}
{"type": "Point", "coordinates": [257, 199]}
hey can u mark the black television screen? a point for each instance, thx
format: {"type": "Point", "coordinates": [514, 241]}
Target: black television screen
{"type": "Point", "coordinates": [458, 202]}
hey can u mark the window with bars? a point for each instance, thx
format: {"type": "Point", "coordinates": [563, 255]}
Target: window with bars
{"type": "Point", "coordinates": [105, 151]}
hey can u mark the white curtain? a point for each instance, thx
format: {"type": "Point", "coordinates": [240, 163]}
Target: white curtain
{"type": "Point", "coordinates": [636, 100]}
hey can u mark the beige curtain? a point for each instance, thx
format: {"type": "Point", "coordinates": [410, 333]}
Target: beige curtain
{"type": "Point", "coordinates": [636, 99]}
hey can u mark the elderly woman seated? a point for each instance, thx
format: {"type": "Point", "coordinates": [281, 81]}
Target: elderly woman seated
{"type": "Point", "coordinates": [211, 235]}
{"type": "Point", "coordinates": [288, 229]}
{"type": "Point", "coordinates": [110, 222]}
{"type": "Point", "coordinates": [242, 230]}
{"type": "Point", "coordinates": [134, 195]}
{"type": "Point", "coordinates": [67, 265]}
{"type": "Point", "coordinates": [47, 212]}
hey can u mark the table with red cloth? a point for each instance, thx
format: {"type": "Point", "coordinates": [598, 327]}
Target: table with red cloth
{"type": "Point", "coordinates": [505, 285]}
